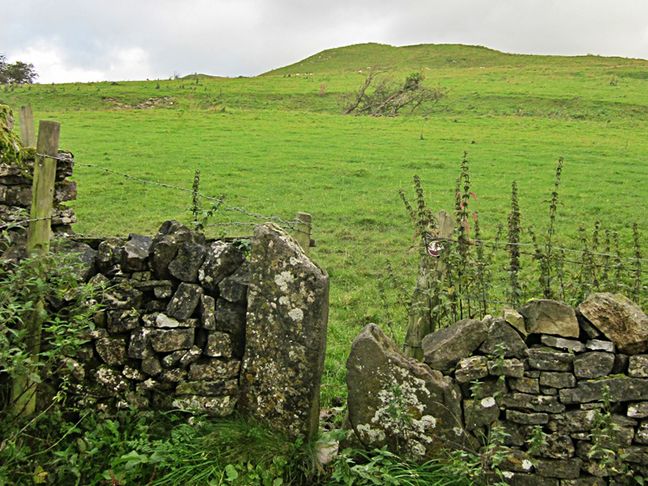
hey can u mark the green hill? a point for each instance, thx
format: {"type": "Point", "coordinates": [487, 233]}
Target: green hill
{"type": "Point", "coordinates": [363, 57]}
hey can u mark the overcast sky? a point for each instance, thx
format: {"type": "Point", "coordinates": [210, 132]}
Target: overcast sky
{"type": "Point", "coordinates": [90, 40]}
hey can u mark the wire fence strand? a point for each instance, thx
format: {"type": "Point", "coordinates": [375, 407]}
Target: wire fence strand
{"type": "Point", "coordinates": [251, 214]}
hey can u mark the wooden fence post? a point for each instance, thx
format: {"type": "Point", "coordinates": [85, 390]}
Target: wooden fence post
{"type": "Point", "coordinates": [303, 230]}
{"type": "Point", "coordinates": [24, 389]}
{"type": "Point", "coordinates": [27, 126]}
{"type": "Point", "coordinates": [420, 316]}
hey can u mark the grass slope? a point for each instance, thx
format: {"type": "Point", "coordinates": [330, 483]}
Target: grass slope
{"type": "Point", "coordinates": [277, 144]}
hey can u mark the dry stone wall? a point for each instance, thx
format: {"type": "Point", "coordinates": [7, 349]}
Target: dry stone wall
{"type": "Point", "coordinates": [16, 197]}
{"type": "Point", "coordinates": [567, 387]}
{"type": "Point", "coordinates": [181, 314]}
{"type": "Point", "coordinates": [185, 322]}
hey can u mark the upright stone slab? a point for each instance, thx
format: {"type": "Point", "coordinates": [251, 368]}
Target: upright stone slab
{"type": "Point", "coordinates": [400, 402]}
{"type": "Point", "coordinates": [286, 334]}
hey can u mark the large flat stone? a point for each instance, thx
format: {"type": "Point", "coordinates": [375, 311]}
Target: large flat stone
{"type": "Point", "coordinates": [165, 341]}
{"type": "Point", "coordinates": [621, 389]}
{"type": "Point", "coordinates": [550, 317]}
{"type": "Point", "coordinates": [619, 319]}
{"type": "Point", "coordinates": [444, 348]}
{"type": "Point", "coordinates": [381, 379]}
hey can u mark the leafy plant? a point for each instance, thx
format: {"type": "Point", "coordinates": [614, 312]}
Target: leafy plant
{"type": "Point", "coordinates": [66, 316]}
{"type": "Point", "coordinates": [200, 215]}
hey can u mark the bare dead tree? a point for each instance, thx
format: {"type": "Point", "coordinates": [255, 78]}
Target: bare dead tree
{"type": "Point", "coordinates": [388, 99]}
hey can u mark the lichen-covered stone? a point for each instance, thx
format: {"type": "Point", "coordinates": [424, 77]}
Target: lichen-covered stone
{"type": "Point", "coordinates": [557, 379]}
{"type": "Point", "coordinates": [165, 322]}
{"type": "Point", "coordinates": [555, 446]}
{"type": "Point", "coordinates": [208, 388]}
{"type": "Point", "coordinates": [534, 403]}
{"type": "Point", "coordinates": [515, 319]}
{"type": "Point", "coordinates": [473, 368]}
{"type": "Point", "coordinates": [222, 260]}
{"type": "Point", "coordinates": [162, 289]}
{"type": "Point", "coordinates": [231, 318]}
{"type": "Point", "coordinates": [122, 297]}
{"type": "Point", "coordinates": [111, 350]}
{"type": "Point", "coordinates": [285, 333]}
{"type": "Point", "coordinates": [619, 319]}
{"type": "Point", "coordinates": [525, 384]}
{"type": "Point", "coordinates": [480, 413]}
{"type": "Point", "coordinates": [165, 341]}
{"type": "Point", "coordinates": [214, 369]}
{"type": "Point", "coordinates": [109, 254]}
{"type": "Point", "coordinates": [138, 343]}
{"type": "Point", "coordinates": [381, 381]}
{"type": "Point", "coordinates": [191, 356]}
{"type": "Point", "coordinates": [503, 339]}
{"type": "Point", "coordinates": [444, 348]}
{"type": "Point", "coordinates": [593, 364]}
{"type": "Point", "coordinates": [164, 246]}
{"type": "Point", "coordinates": [527, 418]}
{"type": "Point", "coordinates": [110, 380]}
{"type": "Point", "coordinates": [515, 461]}
{"type": "Point", "coordinates": [549, 360]}
{"type": "Point", "coordinates": [572, 421]}
{"type": "Point", "coordinates": [175, 375]}
{"type": "Point", "coordinates": [641, 436]}
{"type": "Point", "coordinates": [638, 410]}
{"type": "Point", "coordinates": [571, 345]}
{"type": "Point", "coordinates": [234, 288]}
{"type": "Point", "coordinates": [638, 366]}
{"type": "Point", "coordinates": [620, 388]}
{"type": "Point", "coordinates": [121, 321]}
{"type": "Point", "coordinates": [84, 257]}
{"type": "Point", "coordinates": [184, 301]}
{"type": "Point", "coordinates": [208, 312]}
{"type": "Point", "coordinates": [135, 253]}
{"type": "Point", "coordinates": [219, 345]}
{"type": "Point", "coordinates": [636, 455]}
{"type": "Point", "coordinates": [133, 374]}
{"type": "Point", "coordinates": [600, 345]}
{"type": "Point", "coordinates": [563, 469]}
{"type": "Point", "coordinates": [150, 363]}
{"type": "Point", "coordinates": [506, 367]}
{"type": "Point", "coordinates": [214, 406]}
{"type": "Point", "coordinates": [550, 317]}
{"type": "Point", "coordinates": [172, 359]}
{"type": "Point", "coordinates": [188, 261]}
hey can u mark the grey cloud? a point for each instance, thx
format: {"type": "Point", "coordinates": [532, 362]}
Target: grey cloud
{"type": "Point", "coordinates": [232, 37]}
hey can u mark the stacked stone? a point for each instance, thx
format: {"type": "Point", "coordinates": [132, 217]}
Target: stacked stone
{"type": "Point", "coordinates": [568, 387]}
{"type": "Point", "coordinates": [16, 192]}
{"type": "Point", "coordinates": [171, 333]}
{"type": "Point", "coordinates": [550, 376]}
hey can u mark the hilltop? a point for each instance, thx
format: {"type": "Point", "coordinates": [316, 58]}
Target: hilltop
{"type": "Point", "coordinates": [384, 57]}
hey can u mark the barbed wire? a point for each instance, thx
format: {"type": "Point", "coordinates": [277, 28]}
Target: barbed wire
{"type": "Point", "coordinates": [66, 157]}
{"type": "Point", "coordinates": [9, 224]}
{"type": "Point", "coordinates": [500, 244]}
{"type": "Point", "coordinates": [294, 224]}
{"type": "Point", "coordinates": [237, 209]}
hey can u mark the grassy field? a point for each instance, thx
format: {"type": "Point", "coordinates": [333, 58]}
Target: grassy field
{"type": "Point", "coordinates": [278, 143]}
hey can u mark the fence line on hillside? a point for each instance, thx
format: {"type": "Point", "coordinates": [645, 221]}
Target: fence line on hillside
{"type": "Point", "coordinates": [292, 224]}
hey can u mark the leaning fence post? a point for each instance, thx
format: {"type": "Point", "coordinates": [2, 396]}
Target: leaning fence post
{"type": "Point", "coordinates": [421, 310]}
{"type": "Point", "coordinates": [27, 126]}
{"type": "Point", "coordinates": [38, 239]}
{"type": "Point", "coordinates": [303, 230]}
